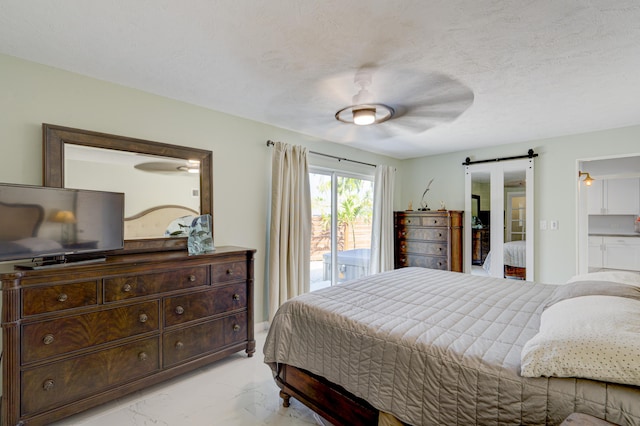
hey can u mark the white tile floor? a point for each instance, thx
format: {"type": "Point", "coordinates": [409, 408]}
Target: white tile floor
{"type": "Point", "coordinates": [236, 391]}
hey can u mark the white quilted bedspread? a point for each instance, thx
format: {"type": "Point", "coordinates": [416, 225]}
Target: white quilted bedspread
{"type": "Point", "coordinates": [437, 347]}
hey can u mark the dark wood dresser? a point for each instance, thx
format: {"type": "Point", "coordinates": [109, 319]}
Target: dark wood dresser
{"type": "Point", "coordinates": [431, 239]}
{"type": "Point", "coordinates": [78, 336]}
{"type": "Point", "coordinates": [480, 245]}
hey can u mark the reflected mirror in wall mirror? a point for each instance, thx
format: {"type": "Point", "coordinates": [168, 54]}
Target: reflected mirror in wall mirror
{"type": "Point", "coordinates": [162, 183]}
{"type": "Point", "coordinates": [499, 228]}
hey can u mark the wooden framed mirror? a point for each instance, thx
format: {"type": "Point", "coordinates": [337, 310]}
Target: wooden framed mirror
{"type": "Point", "coordinates": [119, 153]}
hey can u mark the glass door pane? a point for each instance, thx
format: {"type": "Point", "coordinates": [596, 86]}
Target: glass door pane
{"type": "Point", "coordinates": [320, 186]}
{"type": "Point", "coordinates": [342, 209]}
{"type": "Point", "coordinates": [355, 211]}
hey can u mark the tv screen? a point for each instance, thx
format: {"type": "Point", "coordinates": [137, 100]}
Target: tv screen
{"type": "Point", "coordinates": [43, 222]}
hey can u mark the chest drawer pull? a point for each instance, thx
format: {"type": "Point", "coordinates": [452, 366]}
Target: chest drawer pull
{"type": "Point", "coordinates": [236, 297]}
{"type": "Point", "coordinates": [179, 345]}
{"type": "Point", "coordinates": [126, 288]}
{"type": "Point", "coordinates": [179, 310]}
{"type": "Point", "coordinates": [192, 278]}
{"type": "Point", "coordinates": [143, 318]}
{"type": "Point", "coordinates": [62, 297]}
{"type": "Point", "coordinates": [404, 233]}
{"type": "Point", "coordinates": [48, 385]}
{"type": "Point", "coordinates": [48, 339]}
{"type": "Point", "coordinates": [142, 356]}
{"type": "Point", "coordinates": [229, 272]}
{"type": "Point", "coordinates": [236, 328]}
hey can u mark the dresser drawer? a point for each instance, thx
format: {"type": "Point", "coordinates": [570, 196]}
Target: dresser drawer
{"type": "Point", "coordinates": [431, 262]}
{"type": "Point", "coordinates": [128, 286]}
{"type": "Point", "coordinates": [38, 300]}
{"type": "Point", "coordinates": [235, 328]}
{"type": "Point", "coordinates": [225, 272]}
{"type": "Point", "coordinates": [182, 309]}
{"type": "Point", "coordinates": [423, 221]}
{"type": "Point", "coordinates": [430, 234]}
{"type": "Point", "coordinates": [44, 339]}
{"type": "Point", "coordinates": [424, 247]}
{"type": "Point", "coordinates": [66, 381]}
{"type": "Point", "coordinates": [200, 339]}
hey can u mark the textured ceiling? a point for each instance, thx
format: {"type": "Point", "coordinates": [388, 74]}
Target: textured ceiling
{"type": "Point", "coordinates": [508, 70]}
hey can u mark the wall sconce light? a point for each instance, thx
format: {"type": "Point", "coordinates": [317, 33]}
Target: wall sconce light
{"type": "Point", "coordinates": [588, 180]}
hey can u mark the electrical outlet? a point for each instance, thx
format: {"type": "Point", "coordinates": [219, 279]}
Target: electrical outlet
{"type": "Point", "coordinates": [553, 225]}
{"type": "Point", "coordinates": [543, 225]}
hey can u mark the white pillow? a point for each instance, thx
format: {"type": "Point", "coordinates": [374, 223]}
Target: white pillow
{"type": "Point", "coordinates": [623, 277]}
{"type": "Point", "coordinates": [593, 337]}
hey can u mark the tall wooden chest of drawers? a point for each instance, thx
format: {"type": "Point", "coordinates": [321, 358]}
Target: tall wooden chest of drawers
{"type": "Point", "coordinates": [429, 239]}
{"type": "Point", "coordinates": [78, 336]}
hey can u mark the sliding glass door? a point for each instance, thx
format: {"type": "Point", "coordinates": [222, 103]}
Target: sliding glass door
{"type": "Point", "coordinates": [341, 208]}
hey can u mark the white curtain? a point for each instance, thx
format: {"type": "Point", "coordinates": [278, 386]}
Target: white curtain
{"type": "Point", "coordinates": [382, 227]}
{"type": "Point", "coordinates": [290, 227]}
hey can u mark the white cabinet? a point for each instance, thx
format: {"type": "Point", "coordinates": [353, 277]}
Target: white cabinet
{"type": "Point", "coordinates": [621, 253]}
{"type": "Point", "coordinates": [595, 253]}
{"type": "Point", "coordinates": [623, 196]}
{"type": "Point", "coordinates": [614, 196]}
{"type": "Point", "coordinates": [595, 196]}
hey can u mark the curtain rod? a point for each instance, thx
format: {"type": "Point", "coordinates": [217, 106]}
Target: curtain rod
{"type": "Point", "coordinates": [270, 143]}
{"type": "Point", "coordinates": [530, 154]}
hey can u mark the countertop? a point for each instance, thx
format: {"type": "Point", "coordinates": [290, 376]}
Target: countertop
{"type": "Point", "coordinates": [601, 234]}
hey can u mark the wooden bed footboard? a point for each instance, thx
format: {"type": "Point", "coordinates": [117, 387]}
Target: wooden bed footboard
{"type": "Point", "coordinates": [515, 272]}
{"type": "Point", "coordinates": [327, 399]}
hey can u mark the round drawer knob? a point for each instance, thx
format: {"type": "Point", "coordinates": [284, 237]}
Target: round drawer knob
{"type": "Point", "coordinates": [142, 356]}
{"type": "Point", "coordinates": [192, 278]}
{"type": "Point", "coordinates": [435, 222]}
{"type": "Point", "coordinates": [403, 247]}
{"type": "Point", "coordinates": [440, 248]}
{"type": "Point", "coordinates": [126, 288]}
{"type": "Point", "coordinates": [48, 339]}
{"type": "Point", "coordinates": [236, 297]}
{"type": "Point", "coordinates": [179, 345]}
{"type": "Point", "coordinates": [48, 385]}
{"type": "Point", "coordinates": [179, 310]}
{"type": "Point", "coordinates": [439, 235]}
{"type": "Point", "coordinates": [408, 220]}
{"type": "Point", "coordinates": [236, 327]}
{"type": "Point", "coordinates": [62, 297]}
{"type": "Point", "coordinates": [404, 233]}
{"type": "Point", "coordinates": [229, 272]}
{"type": "Point", "coordinates": [143, 318]}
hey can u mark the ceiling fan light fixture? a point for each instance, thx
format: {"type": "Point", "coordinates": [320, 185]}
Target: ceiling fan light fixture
{"type": "Point", "coordinates": [364, 116]}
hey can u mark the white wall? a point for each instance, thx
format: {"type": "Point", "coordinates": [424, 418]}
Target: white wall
{"type": "Point", "coordinates": [32, 94]}
{"type": "Point", "coordinates": [555, 187]}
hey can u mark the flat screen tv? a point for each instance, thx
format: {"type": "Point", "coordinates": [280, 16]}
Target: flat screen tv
{"type": "Point", "coordinates": [54, 226]}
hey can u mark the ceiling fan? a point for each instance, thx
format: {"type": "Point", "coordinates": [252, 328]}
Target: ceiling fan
{"type": "Point", "coordinates": [375, 103]}
{"type": "Point", "coordinates": [169, 167]}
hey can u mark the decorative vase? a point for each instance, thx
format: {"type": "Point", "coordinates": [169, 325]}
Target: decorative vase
{"type": "Point", "coordinates": [200, 238]}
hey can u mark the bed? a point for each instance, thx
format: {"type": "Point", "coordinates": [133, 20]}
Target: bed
{"type": "Point", "coordinates": [158, 221]}
{"type": "Point", "coordinates": [515, 260]}
{"type": "Point", "coordinates": [424, 346]}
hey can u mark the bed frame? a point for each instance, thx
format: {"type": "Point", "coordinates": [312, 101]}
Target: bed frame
{"type": "Point", "coordinates": [515, 273]}
{"type": "Point", "coordinates": [331, 401]}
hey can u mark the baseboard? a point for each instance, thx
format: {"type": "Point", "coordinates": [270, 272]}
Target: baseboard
{"type": "Point", "coordinates": [262, 326]}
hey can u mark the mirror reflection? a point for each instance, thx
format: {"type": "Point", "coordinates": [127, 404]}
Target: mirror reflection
{"type": "Point", "coordinates": [501, 241]}
{"type": "Point", "coordinates": [162, 195]}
